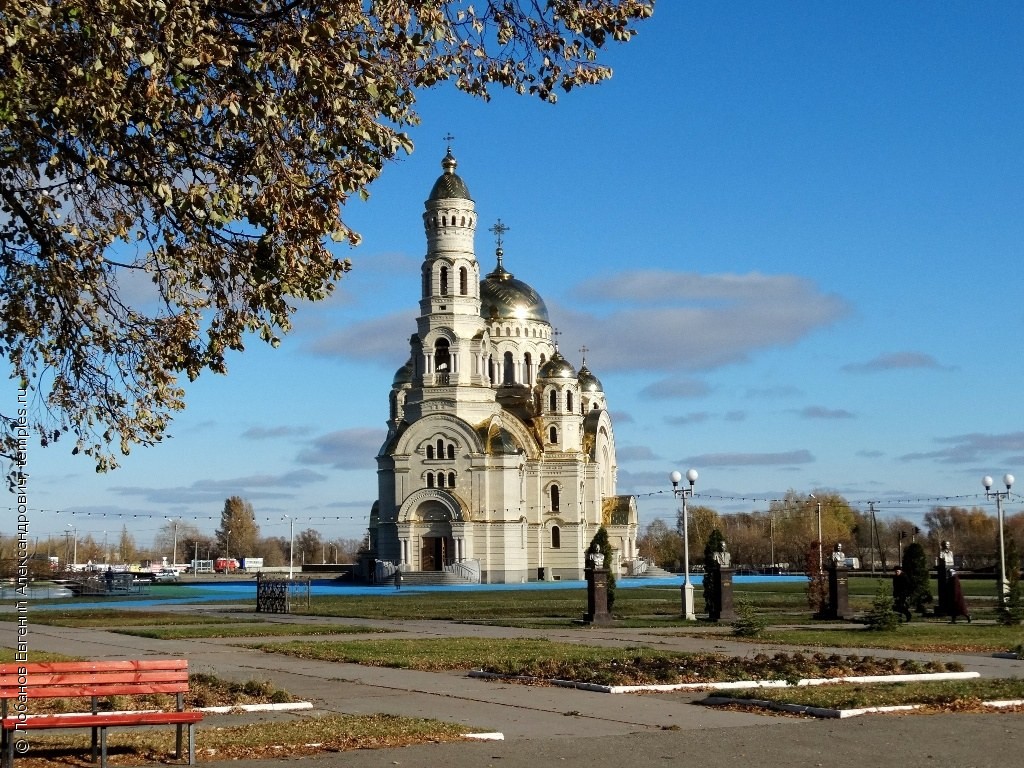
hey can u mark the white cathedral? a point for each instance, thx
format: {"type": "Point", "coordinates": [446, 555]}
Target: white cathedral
{"type": "Point", "coordinates": [499, 463]}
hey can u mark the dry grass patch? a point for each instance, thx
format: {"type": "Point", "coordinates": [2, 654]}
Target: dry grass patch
{"type": "Point", "coordinates": [258, 741]}
{"type": "Point", "coordinates": [933, 696]}
{"type": "Point", "coordinates": [592, 664]}
{"type": "Point", "coordinates": [245, 630]}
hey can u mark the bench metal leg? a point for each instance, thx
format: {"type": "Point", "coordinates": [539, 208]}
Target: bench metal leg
{"type": "Point", "coordinates": [191, 743]}
{"type": "Point", "coordinates": [103, 748]}
{"type": "Point", "coordinates": [177, 742]}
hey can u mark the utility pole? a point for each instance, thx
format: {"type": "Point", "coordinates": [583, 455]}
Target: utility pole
{"type": "Point", "coordinates": [873, 534]}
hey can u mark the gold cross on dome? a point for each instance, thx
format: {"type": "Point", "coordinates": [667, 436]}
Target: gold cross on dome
{"type": "Point", "coordinates": [499, 230]}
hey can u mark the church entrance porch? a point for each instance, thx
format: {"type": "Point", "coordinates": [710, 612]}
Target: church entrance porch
{"type": "Point", "coordinates": [435, 553]}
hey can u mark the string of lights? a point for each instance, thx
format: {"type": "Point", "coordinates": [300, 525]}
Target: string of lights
{"type": "Point", "coordinates": [894, 503]}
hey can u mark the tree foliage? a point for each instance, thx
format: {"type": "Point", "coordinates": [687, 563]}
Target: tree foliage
{"type": "Point", "coordinates": [169, 172]}
{"type": "Point", "coordinates": [1011, 603]}
{"type": "Point", "coordinates": [661, 545]}
{"type": "Point", "coordinates": [915, 566]}
{"type": "Point", "coordinates": [238, 533]}
{"type": "Point", "coordinates": [712, 545]}
{"type": "Point", "coordinates": [882, 616]}
{"type": "Point", "coordinates": [970, 532]}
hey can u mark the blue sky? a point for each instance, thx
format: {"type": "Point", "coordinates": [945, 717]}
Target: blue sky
{"type": "Point", "coordinates": [789, 234]}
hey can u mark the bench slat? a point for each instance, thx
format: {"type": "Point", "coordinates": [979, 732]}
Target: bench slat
{"type": "Point", "coordinates": [11, 668]}
{"type": "Point", "coordinates": [102, 720]}
{"type": "Point", "coordinates": [79, 691]}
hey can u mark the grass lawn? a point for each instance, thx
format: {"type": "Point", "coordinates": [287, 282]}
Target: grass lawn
{"type": "Point", "coordinates": [592, 664]}
{"type": "Point", "coordinates": [113, 620]}
{"type": "Point", "coordinates": [245, 630]}
{"type": "Point", "coordinates": [950, 695]}
{"type": "Point", "coordinates": [258, 741]}
{"type": "Point", "coordinates": [927, 636]}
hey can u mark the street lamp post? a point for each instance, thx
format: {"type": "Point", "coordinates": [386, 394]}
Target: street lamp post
{"type": "Point", "coordinates": [227, 545]}
{"type": "Point", "coordinates": [291, 546]}
{"type": "Point", "coordinates": [74, 549]}
{"type": "Point", "coordinates": [1004, 585]}
{"type": "Point", "coordinates": [682, 492]}
{"type": "Point", "coordinates": [821, 557]}
{"type": "Point", "coordinates": [174, 550]}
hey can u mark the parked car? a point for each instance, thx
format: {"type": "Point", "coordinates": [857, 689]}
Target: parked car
{"type": "Point", "coordinates": [165, 575]}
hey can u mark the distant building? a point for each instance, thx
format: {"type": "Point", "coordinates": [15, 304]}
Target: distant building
{"type": "Point", "coordinates": [499, 460]}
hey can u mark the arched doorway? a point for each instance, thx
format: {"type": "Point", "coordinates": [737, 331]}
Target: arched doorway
{"type": "Point", "coordinates": [436, 544]}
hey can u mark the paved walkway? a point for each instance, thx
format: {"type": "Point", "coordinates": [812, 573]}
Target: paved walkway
{"type": "Point", "coordinates": [555, 726]}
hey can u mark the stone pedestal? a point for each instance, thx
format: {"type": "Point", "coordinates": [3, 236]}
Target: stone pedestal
{"type": "Point", "coordinates": [838, 594]}
{"type": "Point", "coordinates": [597, 597]}
{"type": "Point", "coordinates": [943, 608]}
{"type": "Point", "coordinates": [723, 585]}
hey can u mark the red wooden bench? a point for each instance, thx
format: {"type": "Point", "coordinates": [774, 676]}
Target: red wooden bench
{"type": "Point", "coordinates": [94, 680]}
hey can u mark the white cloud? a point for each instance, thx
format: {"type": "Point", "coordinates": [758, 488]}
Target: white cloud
{"type": "Point", "coordinates": [662, 320]}
{"type": "Point", "coordinates": [344, 449]}
{"type": "Point", "coordinates": [895, 362]}
{"type": "Point", "coordinates": [751, 459]}
{"type": "Point", "coordinates": [820, 412]}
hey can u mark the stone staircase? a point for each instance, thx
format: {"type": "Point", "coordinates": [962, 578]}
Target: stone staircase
{"type": "Point", "coordinates": [654, 572]}
{"type": "Point", "coordinates": [429, 579]}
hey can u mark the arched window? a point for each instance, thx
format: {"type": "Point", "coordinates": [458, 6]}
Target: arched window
{"type": "Point", "coordinates": [451, 479]}
{"type": "Point", "coordinates": [451, 451]}
{"type": "Point", "coordinates": [553, 435]}
{"type": "Point", "coordinates": [568, 402]}
{"type": "Point", "coordinates": [430, 451]}
{"type": "Point", "coordinates": [509, 370]}
{"type": "Point", "coordinates": [463, 281]}
{"type": "Point", "coordinates": [440, 448]}
{"type": "Point", "coordinates": [553, 401]}
{"type": "Point", "coordinates": [444, 281]}
{"type": "Point", "coordinates": [556, 537]}
{"type": "Point", "coordinates": [440, 479]}
{"type": "Point", "coordinates": [528, 369]}
{"type": "Point", "coordinates": [554, 498]}
{"type": "Point", "coordinates": [462, 221]}
{"type": "Point", "coordinates": [430, 479]}
{"type": "Point", "coordinates": [426, 284]}
{"type": "Point", "coordinates": [442, 359]}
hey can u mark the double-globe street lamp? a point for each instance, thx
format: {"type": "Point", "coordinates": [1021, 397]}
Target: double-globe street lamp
{"type": "Point", "coordinates": [682, 492]}
{"type": "Point", "coordinates": [999, 496]}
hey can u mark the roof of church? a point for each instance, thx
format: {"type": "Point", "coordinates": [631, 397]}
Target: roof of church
{"type": "Point", "coordinates": [449, 184]}
{"type": "Point", "coordinates": [504, 297]}
{"type": "Point", "coordinates": [617, 510]}
{"type": "Point", "coordinates": [403, 375]}
{"type": "Point", "coordinates": [588, 381]}
{"type": "Point", "coordinates": [557, 368]}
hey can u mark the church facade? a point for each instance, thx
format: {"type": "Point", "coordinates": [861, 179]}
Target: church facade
{"type": "Point", "coordinates": [499, 461]}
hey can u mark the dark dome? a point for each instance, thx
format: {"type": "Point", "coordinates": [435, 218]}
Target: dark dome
{"type": "Point", "coordinates": [557, 368]}
{"type": "Point", "coordinates": [588, 381]}
{"type": "Point", "coordinates": [502, 443]}
{"type": "Point", "coordinates": [449, 184]}
{"type": "Point", "coordinates": [403, 375]}
{"type": "Point", "coordinates": [503, 297]}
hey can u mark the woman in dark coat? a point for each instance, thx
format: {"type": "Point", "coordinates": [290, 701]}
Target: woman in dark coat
{"type": "Point", "coordinates": [957, 605]}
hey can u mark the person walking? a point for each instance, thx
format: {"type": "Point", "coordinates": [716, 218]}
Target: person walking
{"type": "Point", "coordinates": [957, 605]}
{"type": "Point", "coordinates": [901, 592]}
{"type": "Point", "coordinates": [398, 579]}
